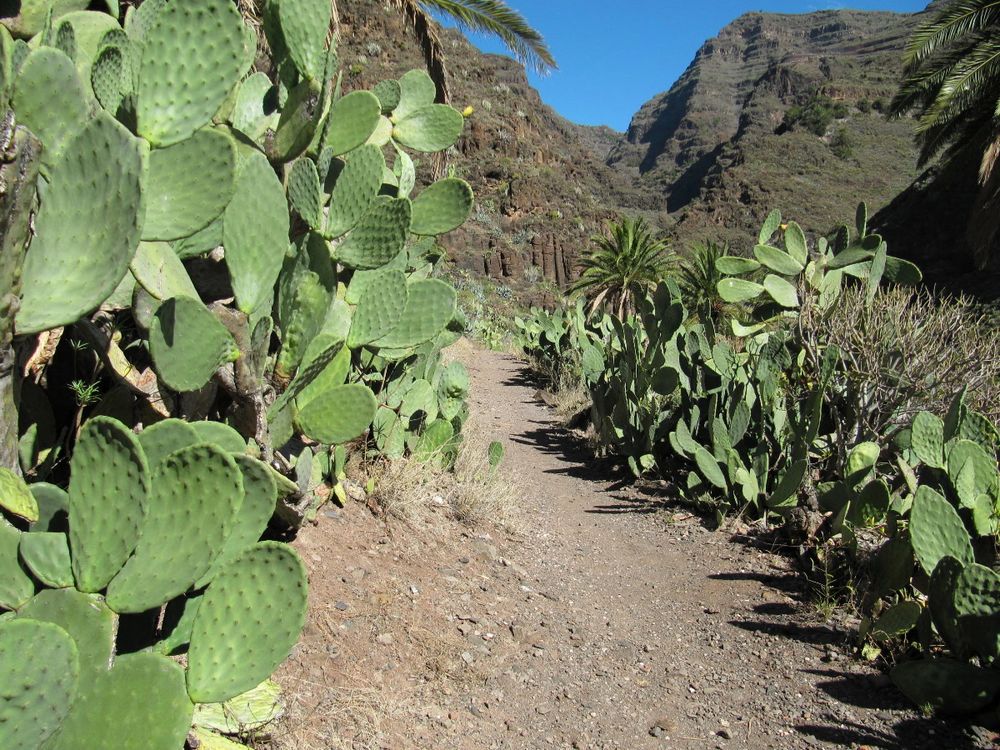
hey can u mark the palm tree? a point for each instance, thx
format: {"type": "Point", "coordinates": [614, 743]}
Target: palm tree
{"type": "Point", "coordinates": [698, 279]}
{"type": "Point", "coordinates": [493, 17]}
{"type": "Point", "coordinates": [952, 77]}
{"type": "Point", "coordinates": [624, 264]}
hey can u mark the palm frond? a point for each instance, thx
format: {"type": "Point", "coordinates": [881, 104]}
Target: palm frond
{"type": "Point", "coordinates": [954, 22]}
{"type": "Point", "coordinates": [498, 19]}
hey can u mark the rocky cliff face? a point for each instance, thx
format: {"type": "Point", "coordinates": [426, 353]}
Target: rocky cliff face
{"type": "Point", "coordinates": [718, 149]}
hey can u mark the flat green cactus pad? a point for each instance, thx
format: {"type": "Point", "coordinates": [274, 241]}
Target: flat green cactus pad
{"type": "Point", "coordinates": [249, 620]}
{"type": "Point", "coordinates": [388, 93]}
{"type": "Point", "coordinates": [16, 586]}
{"type": "Point", "coordinates": [33, 14]}
{"type": "Point", "coordinates": [416, 90]}
{"type": "Point", "coordinates": [937, 531]}
{"type": "Point", "coordinates": [352, 120]}
{"type": "Point", "coordinates": [927, 439]}
{"type": "Point", "coordinates": [379, 237]}
{"type": "Point", "coordinates": [431, 128]}
{"type": "Point", "coordinates": [172, 100]}
{"type": "Point", "coordinates": [39, 666]}
{"type": "Point", "coordinates": [333, 375]}
{"type": "Point", "coordinates": [389, 432]}
{"type": "Point", "coordinates": [443, 206]}
{"type": "Point", "coordinates": [87, 228]}
{"type": "Point", "coordinates": [255, 233]}
{"type": "Point", "coordinates": [337, 415]}
{"type": "Point", "coordinates": [53, 507]}
{"type": "Point", "coordinates": [188, 344]}
{"type": "Point", "coordinates": [355, 189]}
{"type": "Point", "coordinates": [430, 304]}
{"type": "Point", "coordinates": [434, 441]}
{"type": "Point", "coordinates": [201, 242]}
{"type": "Point", "coordinates": [221, 435]}
{"type": "Point", "coordinates": [46, 553]}
{"type": "Point", "coordinates": [88, 621]}
{"type": "Point", "coordinates": [260, 493]}
{"type": "Point", "coordinates": [976, 600]}
{"type": "Point", "coordinates": [254, 113]}
{"type": "Point", "coordinates": [188, 185]}
{"type": "Point", "coordinates": [157, 268]}
{"type": "Point", "coordinates": [108, 78]}
{"type": "Point", "coordinates": [303, 323]}
{"type": "Point", "coordinates": [305, 193]}
{"type": "Point", "coordinates": [108, 487]}
{"type": "Point", "coordinates": [941, 602]}
{"type": "Point", "coordinates": [195, 494]}
{"type": "Point", "coordinates": [55, 120]}
{"type": "Point", "coordinates": [380, 308]}
{"type": "Point", "coordinates": [972, 471]}
{"type": "Point", "coordinates": [15, 497]}
{"type": "Point", "coordinates": [161, 439]}
{"type": "Point", "coordinates": [304, 25]}
{"type": "Point", "coordinates": [140, 702]}
{"type": "Point", "coordinates": [296, 124]}
{"type": "Point", "coordinates": [950, 686]}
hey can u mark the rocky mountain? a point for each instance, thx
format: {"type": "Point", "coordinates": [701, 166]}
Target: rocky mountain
{"type": "Point", "coordinates": [776, 111]}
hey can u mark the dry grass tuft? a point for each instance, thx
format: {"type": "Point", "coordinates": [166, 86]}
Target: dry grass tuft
{"type": "Point", "coordinates": [473, 493]}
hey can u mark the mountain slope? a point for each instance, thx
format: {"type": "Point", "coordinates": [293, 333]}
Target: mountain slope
{"type": "Point", "coordinates": [718, 149]}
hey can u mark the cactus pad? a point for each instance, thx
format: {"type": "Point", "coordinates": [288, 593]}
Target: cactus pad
{"type": "Point", "coordinates": [941, 602]}
{"type": "Point", "coordinates": [389, 432]}
{"type": "Point", "coordinates": [108, 78]}
{"type": "Point", "coordinates": [188, 344]}
{"type": "Point", "coordinates": [195, 494]}
{"type": "Point", "coordinates": [379, 237]}
{"type": "Point", "coordinates": [249, 620]}
{"type": "Point", "coordinates": [927, 439]}
{"type": "Point", "coordinates": [140, 702]}
{"type": "Point", "coordinates": [157, 268]}
{"type": "Point", "coordinates": [434, 442]}
{"type": "Point", "coordinates": [53, 507]}
{"type": "Point", "coordinates": [352, 120]}
{"type": "Point", "coordinates": [976, 599]}
{"type": "Point", "coordinates": [972, 471]}
{"type": "Point", "coordinates": [443, 206]}
{"type": "Point", "coordinates": [388, 93]}
{"type": "Point", "coordinates": [430, 305]}
{"type": "Point", "coordinates": [91, 210]}
{"type": "Point", "coordinates": [220, 435]}
{"type": "Point", "coordinates": [739, 290]}
{"type": "Point", "coordinates": [333, 375]}
{"type": "Point", "coordinates": [379, 309]}
{"type": "Point", "coordinates": [188, 185]}
{"type": "Point", "coordinates": [338, 414]}
{"type": "Point", "coordinates": [54, 120]}
{"type": "Point", "coordinates": [355, 189]}
{"type": "Point", "coordinates": [16, 586]}
{"type": "Point", "coordinates": [432, 128]}
{"type": "Point", "coordinates": [161, 439]}
{"type": "Point", "coordinates": [39, 666]}
{"type": "Point", "coordinates": [174, 100]}
{"type": "Point", "coordinates": [15, 497]}
{"type": "Point", "coordinates": [46, 553]}
{"type": "Point", "coordinates": [305, 193]}
{"type": "Point", "coordinates": [937, 531]}
{"type": "Point", "coordinates": [255, 233]}
{"type": "Point", "coordinates": [88, 621]}
{"type": "Point", "coordinates": [108, 487]}
{"type": "Point", "coordinates": [254, 114]}
{"type": "Point", "coordinates": [304, 25]}
{"type": "Point", "coordinates": [416, 90]}
{"type": "Point", "coordinates": [953, 687]}
{"type": "Point", "coordinates": [260, 493]}
{"type": "Point", "coordinates": [247, 711]}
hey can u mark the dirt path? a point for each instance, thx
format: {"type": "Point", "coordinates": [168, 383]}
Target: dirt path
{"type": "Point", "coordinates": [608, 623]}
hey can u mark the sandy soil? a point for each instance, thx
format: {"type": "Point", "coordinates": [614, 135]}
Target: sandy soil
{"type": "Point", "coordinates": [609, 621]}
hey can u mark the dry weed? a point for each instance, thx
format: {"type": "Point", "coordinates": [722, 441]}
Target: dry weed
{"type": "Point", "coordinates": [473, 493]}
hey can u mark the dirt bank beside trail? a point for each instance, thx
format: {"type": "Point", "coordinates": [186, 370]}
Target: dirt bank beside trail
{"type": "Point", "coordinates": [604, 623]}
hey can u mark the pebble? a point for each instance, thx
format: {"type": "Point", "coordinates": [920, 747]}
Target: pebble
{"type": "Point", "coordinates": [342, 606]}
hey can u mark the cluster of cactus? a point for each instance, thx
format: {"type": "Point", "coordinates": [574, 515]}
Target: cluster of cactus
{"type": "Point", "coordinates": [938, 499]}
{"type": "Point", "coordinates": [252, 229]}
{"type": "Point", "coordinates": [153, 551]}
{"type": "Point", "coordinates": [565, 344]}
{"type": "Point", "coordinates": [776, 282]}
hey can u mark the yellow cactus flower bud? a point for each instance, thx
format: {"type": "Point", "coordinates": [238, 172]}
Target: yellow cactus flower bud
{"type": "Point", "coordinates": [467, 112]}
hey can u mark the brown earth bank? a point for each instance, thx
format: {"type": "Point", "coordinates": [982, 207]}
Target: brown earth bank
{"type": "Point", "coordinates": [600, 619]}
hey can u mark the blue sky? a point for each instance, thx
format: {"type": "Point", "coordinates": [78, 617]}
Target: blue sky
{"type": "Point", "coordinates": [613, 56]}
